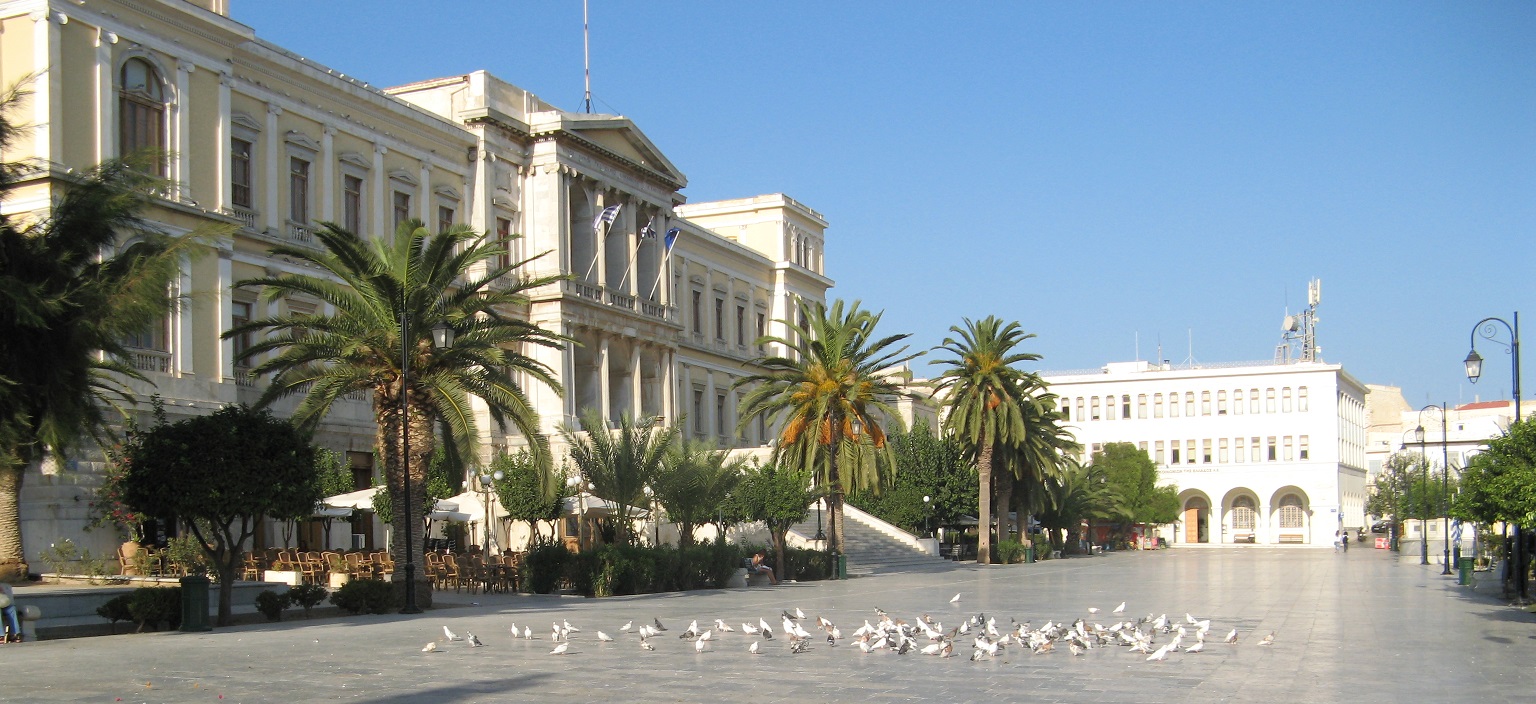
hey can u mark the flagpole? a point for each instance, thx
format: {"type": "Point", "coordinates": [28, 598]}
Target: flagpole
{"type": "Point", "coordinates": [664, 259]}
{"type": "Point", "coordinates": [636, 255]}
{"type": "Point", "coordinates": [586, 59]}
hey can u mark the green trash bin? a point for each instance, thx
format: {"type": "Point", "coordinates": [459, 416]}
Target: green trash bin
{"type": "Point", "coordinates": [194, 604]}
{"type": "Point", "coordinates": [1464, 571]}
{"type": "Point", "coordinates": [1029, 554]}
{"type": "Point", "coordinates": [840, 565]}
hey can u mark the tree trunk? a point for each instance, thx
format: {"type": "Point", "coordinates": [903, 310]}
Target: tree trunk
{"type": "Point", "coordinates": [778, 532]}
{"type": "Point", "coordinates": [835, 487]}
{"type": "Point", "coordinates": [684, 535]}
{"type": "Point", "coordinates": [13, 559]}
{"type": "Point", "coordinates": [1004, 503]}
{"type": "Point", "coordinates": [984, 501]}
{"type": "Point", "coordinates": [403, 532]}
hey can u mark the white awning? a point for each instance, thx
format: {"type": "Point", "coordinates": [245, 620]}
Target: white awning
{"type": "Point", "coordinates": [361, 499]}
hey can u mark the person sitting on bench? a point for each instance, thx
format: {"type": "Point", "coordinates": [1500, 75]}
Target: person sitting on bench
{"type": "Point", "coordinates": [756, 566]}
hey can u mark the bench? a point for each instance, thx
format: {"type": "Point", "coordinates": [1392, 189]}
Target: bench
{"type": "Point", "coordinates": [1250, 538]}
{"type": "Point", "coordinates": [1292, 539]}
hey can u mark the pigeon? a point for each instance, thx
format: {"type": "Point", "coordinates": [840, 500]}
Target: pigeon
{"type": "Point", "coordinates": [431, 647]}
{"type": "Point", "coordinates": [750, 629]}
{"type": "Point", "coordinates": [604, 637]}
{"type": "Point", "coordinates": [955, 599]}
{"type": "Point", "coordinates": [723, 627]}
{"type": "Point", "coordinates": [932, 649]}
{"type": "Point", "coordinates": [569, 627]}
{"type": "Point", "coordinates": [1190, 619]}
{"type": "Point", "coordinates": [698, 645]}
{"type": "Point", "coordinates": [1093, 610]}
{"type": "Point", "coordinates": [799, 645]}
{"type": "Point", "coordinates": [515, 632]}
{"type": "Point", "coordinates": [706, 635]}
{"type": "Point", "coordinates": [555, 634]}
{"type": "Point", "coordinates": [560, 649]}
{"type": "Point", "coordinates": [1197, 647]}
{"type": "Point", "coordinates": [450, 635]}
{"type": "Point", "coordinates": [627, 625]}
{"type": "Point", "coordinates": [1268, 640]}
{"type": "Point", "coordinates": [948, 651]}
{"type": "Point", "coordinates": [753, 648]}
{"type": "Point", "coordinates": [527, 632]}
{"type": "Point", "coordinates": [473, 641]}
{"type": "Point", "coordinates": [693, 630]}
{"type": "Point", "coordinates": [763, 624]}
{"type": "Point", "coordinates": [647, 645]}
{"type": "Point", "coordinates": [799, 614]}
{"type": "Point", "coordinates": [1075, 648]}
{"type": "Point", "coordinates": [1118, 609]}
{"type": "Point", "coordinates": [1160, 654]}
{"type": "Point", "coordinates": [1232, 637]}
{"type": "Point", "coordinates": [660, 627]}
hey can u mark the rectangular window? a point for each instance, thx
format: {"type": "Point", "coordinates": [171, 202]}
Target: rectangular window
{"type": "Point", "coordinates": [298, 190]}
{"type": "Point", "coordinates": [1189, 451]}
{"type": "Point", "coordinates": [1205, 452]}
{"type": "Point", "coordinates": [1173, 455]}
{"type": "Point", "coordinates": [1221, 452]}
{"type": "Point", "coordinates": [1255, 451]}
{"type": "Point", "coordinates": [1240, 452]}
{"type": "Point", "coordinates": [1301, 399]}
{"type": "Point", "coordinates": [240, 314]}
{"type": "Point", "coordinates": [1304, 448]}
{"type": "Point", "coordinates": [762, 326]}
{"type": "Point", "coordinates": [1080, 414]}
{"type": "Point", "coordinates": [1157, 405]}
{"type": "Point", "coordinates": [1273, 455]}
{"type": "Point", "coordinates": [720, 419]}
{"type": "Point", "coordinates": [1141, 406]}
{"type": "Point", "coordinates": [1205, 403]}
{"type": "Point", "coordinates": [1221, 403]}
{"type": "Point", "coordinates": [155, 336]}
{"type": "Point", "coordinates": [1269, 400]}
{"type": "Point", "coordinates": [240, 173]}
{"type": "Point", "coordinates": [1237, 402]}
{"type": "Point", "coordinates": [720, 319]}
{"type": "Point", "coordinates": [1173, 405]}
{"type": "Point", "coordinates": [741, 325]}
{"type": "Point", "coordinates": [1157, 448]}
{"type": "Point", "coordinates": [1125, 407]}
{"type": "Point", "coordinates": [1093, 408]}
{"type": "Point", "coordinates": [698, 312]}
{"type": "Point", "coordinates": [1285, 400]}
{"type": "Point", "coordinates": [504, 240]}
{"type": "Point", "coordinates": [1142, 445]}
{"type": "Point", "coordinates": [444, 218]}
{"type": "Point", "coordinates": [1253, 400]}
{"type": "Point", "coordinates": [1109, 408]}
{"type": "Point", "coordinates": [1287, 444]}
{"type": "Point", "coordinates": [1066, 411]}
{"type": "Point", "coordinates": [1189, 404]}
{"type": "Point", "coordinates": [697, 420]}
{"type": "Point", "coordinates": [402, 208]}
{"type": "Point", "coordinates": [352, 204]}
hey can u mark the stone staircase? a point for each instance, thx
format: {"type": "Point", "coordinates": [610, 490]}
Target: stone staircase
{"type": "Point", "coordinates": [873, 546]}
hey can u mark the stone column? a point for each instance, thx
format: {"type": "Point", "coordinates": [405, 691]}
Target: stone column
{"type": "Point", "coordinates": [47, 102]}
{"type": "Point", "coordinates": [602, 377]}
{"type": "Point", "coordinates": [1265, 534]}
{"type": "Point", "coordinates": [709, 404]}
{"type": "Point", "coordinates": [426, 212]}
{"type": "Point", "coordinates": [668, 391]}
{"type": "Point", "coordinates": [270, 218]}
{"type": "Point", "coordinates": [327, 174]}
{"type": "Point", "coordinates": [225, 191]}
{"type": "Point", "coordinates": [106, 107]}
{"type": "Point", "coordinates": [600, 235]}
{"type": "Point", "coordinates": [181, 169]}
{"type": "Point", "coordinates": [226, 285]}
{"type": "Point", "coordinates": [635, 381]}
{"type": "Point", "coordinates": [381, 222]}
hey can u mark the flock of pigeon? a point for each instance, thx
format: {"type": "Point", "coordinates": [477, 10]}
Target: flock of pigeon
{"type": "Point", "coordinates": [923, 635]}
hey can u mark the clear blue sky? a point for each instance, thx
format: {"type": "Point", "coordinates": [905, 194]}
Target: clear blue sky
{"type": "Point", "coordinates": [1096, 171]}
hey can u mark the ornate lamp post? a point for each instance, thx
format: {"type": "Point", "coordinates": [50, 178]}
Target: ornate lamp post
{"type": "Point", "coordinates": [927, 512]}
{"type": "Point", "coordinates": [442, 338]}
{"type": "Point", "coordinates": [1474, 365]}
{"type": "Point", "coordinates": [487, 488]}
{"type": "Point", "coordinates": [1445, 470]}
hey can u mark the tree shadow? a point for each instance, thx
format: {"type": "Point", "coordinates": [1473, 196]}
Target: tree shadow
{"type": "Point", "coordinates": [465, 691]}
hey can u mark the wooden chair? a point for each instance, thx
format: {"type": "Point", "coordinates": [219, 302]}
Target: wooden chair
{"type": "Point", "coordinates": [359, 565]}
{"type": "Point", "coordinates": [128, 558]}
{"type": "Point", "coordinates": [250, 569]}
{"type": "Point", "coordinates": [334, 563]}
{"type": "Point", "coordinates": [451, 572]}
{"type": "Point", "coordinates": [511, 569]}
{"type": "Point", "coordinates": [383, 565]}
{"type": "Point", "coordinates": [434, 569]}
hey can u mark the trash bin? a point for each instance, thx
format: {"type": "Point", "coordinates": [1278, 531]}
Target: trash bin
{"type": "Point", "coordinates": [841, 564]}
{"type": "Point", "coordinates": [194, 604]}
{"type": "Point", "coordinates": [1029, 554]}
{"type": "Point", "coordinates": [1464, 571]}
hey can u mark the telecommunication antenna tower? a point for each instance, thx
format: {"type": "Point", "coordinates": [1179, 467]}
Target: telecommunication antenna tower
{"type": "Point", "coordinates": [1298, 337]}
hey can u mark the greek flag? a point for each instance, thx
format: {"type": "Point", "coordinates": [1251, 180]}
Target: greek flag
{"type": "Point", "coordinates": [648, 232]}
{"type": "Point", "coordinates": [606, 217]}
{"type": "Point", "coordinates": [671, 238]}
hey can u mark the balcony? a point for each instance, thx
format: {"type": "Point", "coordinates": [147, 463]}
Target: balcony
{"type": "Point", "coordinates": [299, 234]}
{"type": "Point", "coordinates": [246, 217]}
{"type": "Point", "coordinates": [244, 378]}
{"type": "Point", "coordinates": [622, 301]}
{"type": "Point", "coordinates": [150, 360]}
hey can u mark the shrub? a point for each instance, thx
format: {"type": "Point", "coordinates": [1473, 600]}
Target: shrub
{"type": "Point", "coordinates": [152, 606]}
{"type": "Point", "coordinates": [806, 565]}
{"type": "Point", "coordinates": [1009, 551]}
{"type": "Point", "coordinates": [116, 609]}
{"type": "Point", "coordinates": [365, 596]}
{"type": "Point", "coordinates": [59, 555]}
{"type": "Point", "coordinates": [544, 567]}
{"type": "Point", "coordinates": [307, 596]}
{"type": "Point", "coordinates": [271, 604]}
{"type": "Point", "coordinates": [580, 570]}
{"type": "Point", "coordinates": [722, 559]}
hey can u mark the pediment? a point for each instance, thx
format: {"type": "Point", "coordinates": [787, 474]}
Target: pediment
{"type": "Point", "coordinates": [299, 139]}
{"type": "Point", "coordinates": [244, 121]}
{"type": "Point", "coordinates": [354, 159]}
{"type": "Point", "coordinates": [620, 137]}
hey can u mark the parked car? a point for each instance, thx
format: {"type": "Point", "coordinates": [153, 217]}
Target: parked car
{"type": "Point", "coordinates": [1381, 527]}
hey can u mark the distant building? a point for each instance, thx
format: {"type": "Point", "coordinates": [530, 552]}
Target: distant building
{"type": "Point", "coordinates": [1262, 452]}
{"type": "Point", "coordinates": [1468, 428]}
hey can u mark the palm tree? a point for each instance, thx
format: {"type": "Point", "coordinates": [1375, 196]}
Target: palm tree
{"type": "Point", "coordinates": [695, 482]}
{"type": "Point", "coordinates": [1079, 492]}
{"type": "Point", "coordinates": [1040, 455]}
{"type": "Point", "coordinates": [619, 463]}
{"type": "Point", "coordinates": [985, 396]}
{"type": "Point", "coordinates": [829, 397]}
{"type": "Point", "coordinates": [68, 298]}
{"type": "Point", "coordinates": [448, 279]}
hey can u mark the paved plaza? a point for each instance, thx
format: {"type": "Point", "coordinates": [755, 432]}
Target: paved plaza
{"type": "Point", "coordinates": [1353, 627]}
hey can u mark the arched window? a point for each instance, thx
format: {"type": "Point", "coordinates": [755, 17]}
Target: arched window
{"type": "Point", "coordinates": [141, 110]}
{"type": "Point", "coordinates": [1291, 513]}
{"type": "Point", "coordinates": [1243, 515]}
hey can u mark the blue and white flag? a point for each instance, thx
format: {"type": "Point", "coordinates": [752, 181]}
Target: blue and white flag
{"type": "Point", "coordinates": [606, 217]}
{"type": "Point", "coordinates": [648, 232]}
{"type": "Point", "coordinates": [672, 238]}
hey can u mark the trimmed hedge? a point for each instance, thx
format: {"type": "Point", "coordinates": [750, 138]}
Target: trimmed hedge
{"type": "Point", "coordinates": [617, 570]}
{"type": "Point", "coordinates": [365, 596]}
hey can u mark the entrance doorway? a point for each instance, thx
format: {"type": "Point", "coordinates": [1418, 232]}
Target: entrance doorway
{"type": "Point", "coordinates": [1197, 520]}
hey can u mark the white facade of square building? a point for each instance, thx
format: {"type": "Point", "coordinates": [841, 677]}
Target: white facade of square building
{"type": "Point", "coordinates": [1261, 453]}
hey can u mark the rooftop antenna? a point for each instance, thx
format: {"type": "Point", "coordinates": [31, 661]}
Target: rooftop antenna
{"type": "Point", "coordinates": [1190, 360]}
{"type": "Point", "coordinates": [586, 58]}
{"type": "Point", "coordinates": [1138, 345]}
{"type": "Point", "coordinates": [1300, 330]}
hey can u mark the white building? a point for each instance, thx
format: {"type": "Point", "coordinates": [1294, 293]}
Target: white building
{"type": "Point", "coordinates": [1266, 453]}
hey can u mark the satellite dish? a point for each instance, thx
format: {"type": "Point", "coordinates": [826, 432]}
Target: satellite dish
{"type": "Point", "coordinates": [1290, 324]}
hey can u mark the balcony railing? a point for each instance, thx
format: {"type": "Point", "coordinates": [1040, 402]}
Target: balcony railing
{"type": "Point", "coordinates": [246, 217]}
{"type": "Point", "coordinates": [150, 360]}
{"type": "Point", "coordinates": [623, 301]}
{"type": "Point", "coordinates": [299, 233]}
{"type": "Point", "coordinates": [244, 378]}
{"type": "Point", "coordinates": [586, 290]}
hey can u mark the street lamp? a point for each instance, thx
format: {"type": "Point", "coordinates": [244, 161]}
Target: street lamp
{"type": "Point", "coordinates": [1474, 365]}
{"type": "Point", "coordinates": [487, 488]}
{"type": "Point", "coordinates": [927, 510]}
{"type": "Point", "coordinates": [442, 338]}
{"type": "Point", "coordinates": [1418, 435]}
{"type": "Point", "coordinates": [650, 495]}
{"type": "Point", "coordinates": [1445, 471]}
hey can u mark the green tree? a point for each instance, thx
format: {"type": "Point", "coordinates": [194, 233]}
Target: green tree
{"type": "Point", "coordinates": [830, 397]}
{"type": "Point", "coordinates": [335, 475]}
{"type": "Point", "coordinates": [74, 285]}
{"type": "Point", "coordinates": [778, 496]}
{"type": "Point", "coordinates": [1500, 485]}
{"type": "Point", "coordinates": [529, 491]}
{"type": "Point", "coordinates": [695, 485]}
{"type": "Point", "coordinates": [1401, 490]}
{"type": "Point", "coordinates": [1077, 494]}
{"type": "Point", "coordinates": [440, 484]}
{"type": "Point", "coordinates": [219, 474]}
{"type": "Point", "coordinates": [926, 465]}
{"type": "Point", "coordinates": [1133, 476]}
{"type": "Point", "coordinates": [618, 463]}
{"type": "Point", "coordinates": [985, 393]}
{"type": "Point", "coordinates": [1040, 454]}
{"type": "Point", "coordinates": [449, 279]}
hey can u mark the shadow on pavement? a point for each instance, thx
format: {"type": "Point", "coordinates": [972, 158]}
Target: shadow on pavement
{"type": "Point", "coordinates": [449, 693]}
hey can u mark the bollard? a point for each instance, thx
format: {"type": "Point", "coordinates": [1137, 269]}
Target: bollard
{"type": "Point", "coordinates": [194, 604]}
{"type": "Point", "coordinates": [1464, 571]}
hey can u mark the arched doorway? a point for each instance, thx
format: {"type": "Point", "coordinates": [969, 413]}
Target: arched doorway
{"type": "Point", "coordinates": [1197, 520]}
{"type": "Point", "coordinates": [1291, 518]}
{"type": "Point", "coordinates": [1244, 519]}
